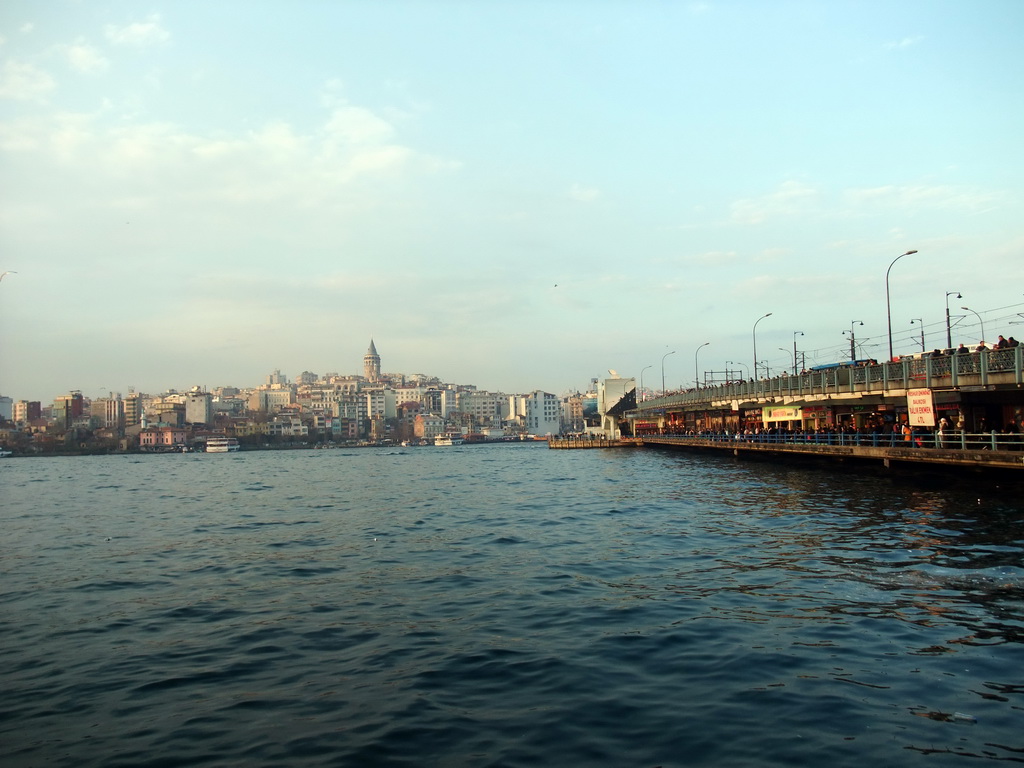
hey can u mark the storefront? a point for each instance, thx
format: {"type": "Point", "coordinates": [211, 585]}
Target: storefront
{"type": "Point", "coordinates": [782, 417]}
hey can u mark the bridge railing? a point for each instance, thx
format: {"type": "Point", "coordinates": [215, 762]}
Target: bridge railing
{"type": "Point", "coordinates": [1003, 366]}
{"type": "Point", "coordinates": [953, 440]}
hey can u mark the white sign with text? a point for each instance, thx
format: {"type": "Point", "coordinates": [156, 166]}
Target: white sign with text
{"type": "Point", "coordinates": [920, 408]}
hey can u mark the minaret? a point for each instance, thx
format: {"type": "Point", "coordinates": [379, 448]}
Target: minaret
{"type": "Point", "coordinates": [371, 364]}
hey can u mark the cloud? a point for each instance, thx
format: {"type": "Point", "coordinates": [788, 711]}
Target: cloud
{"type": "Point", "coordinates": [584, 194]}
{"type": "Point", "coordinates": [921, 196]}
{"type": "Point", "coordinates": [84, 58]}
{"type": "Point", "coordinates": [24, 82]}
{"type": "Point", "coordinates": [27, 28]}
{"type": "Point", "coordinates": [906, 42]}
{"type": "Point", "coordinates": [356, 125]}
{"type": "Point", "coordinates": [791, 199]}
{"type": "Point", "coordinates": [140, 33]}
{"type": "Point", "coordinates": [143, 165]}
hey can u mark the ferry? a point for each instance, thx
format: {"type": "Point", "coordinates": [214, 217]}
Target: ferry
{"type": "Point", "coordinates": [448, 440]}
{"type": "Point", "coordinates": [222, 445]}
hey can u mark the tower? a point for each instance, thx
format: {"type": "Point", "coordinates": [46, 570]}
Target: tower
{"type": "Point", "coordinates": [371, 364]}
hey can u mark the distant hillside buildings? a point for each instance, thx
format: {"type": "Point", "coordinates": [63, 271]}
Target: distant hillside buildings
{"type": "Point", "coordinates": [331, 407]}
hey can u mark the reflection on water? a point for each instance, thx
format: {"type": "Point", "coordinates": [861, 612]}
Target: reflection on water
{"type": "Point", "coordinates": [502, 606]}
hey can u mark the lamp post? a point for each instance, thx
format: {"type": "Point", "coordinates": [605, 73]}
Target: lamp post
{"type": "Point", "coordinates": [642, 381]}
{"type": "Point", "coordinates": [663, 370]}
{"type": "Point", "coordinates": [949, 328]}
{"type": "Point", "coordinates": [753, 333]}
{"type": "Point", "coordinates": [733, 362]}
{"type": "Point", "coordinates": [888, 305]}
{"type": "Point", "coordinates": [783, 349]}
{"type": "Point", "coordinates": [795, 334]}
{"type": "Point", "coordinates": [919, 320]}
{"type": "Point", "coordinates": [696, 375]}
{"type": "Point", "coordinates": [853, 341]}
{"type": "Point", "coordinates": [980, 322]}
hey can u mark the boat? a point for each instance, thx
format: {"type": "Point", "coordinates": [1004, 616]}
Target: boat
{"type": "Point", "coordinates": [4, 453]}
{"type": "Point", "coordinates": [222, 445]}
{"type": "Point", "coordinates": [448, 439]}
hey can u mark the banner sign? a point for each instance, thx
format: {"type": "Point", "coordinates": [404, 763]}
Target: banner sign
{"type": "Point", "coordinates": [920, 408]}
{"type": "Point", "coordinates": [780, 414]}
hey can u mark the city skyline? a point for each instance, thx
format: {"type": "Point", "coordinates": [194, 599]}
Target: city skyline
{"type": "Point", "coordinates": [514, 197]}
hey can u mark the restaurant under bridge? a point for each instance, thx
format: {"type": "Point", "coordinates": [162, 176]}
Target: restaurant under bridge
{"type": "Point", "coordinates": [976, 392]}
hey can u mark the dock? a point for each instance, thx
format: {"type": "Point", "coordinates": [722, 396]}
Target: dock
{"type": "Point", "coordinates": [566, 443]}
{"type": "Point", "coordinates": [887, 456]}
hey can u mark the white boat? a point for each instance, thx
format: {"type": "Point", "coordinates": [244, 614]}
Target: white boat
{"type": "Point", "coordinates": [222, 444]}
{"type": "Point", "coordinates": [4, 453]}
{"type": "Point", "coordinates": [448, 440]}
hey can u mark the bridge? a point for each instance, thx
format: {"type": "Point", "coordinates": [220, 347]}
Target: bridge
{"type": "Point", "coordinates": [987, 370]}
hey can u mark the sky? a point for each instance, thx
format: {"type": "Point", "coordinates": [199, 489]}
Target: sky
{"type": "Point", "coordinates": [515, 195]}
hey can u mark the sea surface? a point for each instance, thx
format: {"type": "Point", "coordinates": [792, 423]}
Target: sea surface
{"type": "Point", "coordinates": [503, 605]}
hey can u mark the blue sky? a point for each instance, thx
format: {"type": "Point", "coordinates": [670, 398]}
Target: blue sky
{"type": "Point", "coordinates": [518, 195]}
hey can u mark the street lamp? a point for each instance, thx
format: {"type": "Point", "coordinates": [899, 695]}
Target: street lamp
{"type": "Point", "coordinates": [853, 340]}
{"type": "Point", "coordinates": [753, 333]}
{"type": "Point", "coordinates": [642, 381]}
{"type": "Point", "coordinates": [980, 322]}
{"type": "Point", "coordinates": [733, 362]}
{"type": "Point", "coordinates": [663, 370]}
{"type": "Point", "coordinates": [795, 334]}
{"type": "Point", "coordinates": [783, 349]}
{"type": "Point", "coordinates": [919, 320]}
{"type": "Point", "coordinates": [949, 328]}
{"type": "Point", "coordinates": [696, 375]}
{"type": "Point", "coordinates": [888, 306]}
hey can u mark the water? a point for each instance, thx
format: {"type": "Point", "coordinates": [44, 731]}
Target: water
{"type": "Point", "coordinates": [502, 606]}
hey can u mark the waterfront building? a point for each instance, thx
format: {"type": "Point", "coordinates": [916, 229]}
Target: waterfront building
{"type": "Point", "coordinates": [27, 411]}
{"type": "Point", "coordinates": [288, 426]}
{"type": "Point", "coordinates": [152, 438]}
{"type": "Point", "coordinates": [133, 408]}
{"type": "Point", "coordinates": [382, 403]}
{"type": "Point", "coordinates": [486, 408]}
{"type": "Point", "coordinates": [572, 413]}
{"type": "Point", "coordinates": [271, 400]}
{"type": "Point", "coordinates": [198, 407]}
{"type": "Point", "coordinates": [67, 408]}
{"type": "Point", "coordinates": [428, 426]}
{"type": "Point", "coordinates": [6, 408]}
{"type": "Point", "coordinates": [542, 413]}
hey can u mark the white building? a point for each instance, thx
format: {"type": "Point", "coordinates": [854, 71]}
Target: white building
{"type": "Point", "coordinates": [382, 402]}
{"type": "Point", "coordinates": [488, 408]}
{"type": "Point", "coordinates": [542, 414]}
{"type": "Point", "coordinates": [198, 408]}
{"type": "Point", "coordinates": [610, 393]}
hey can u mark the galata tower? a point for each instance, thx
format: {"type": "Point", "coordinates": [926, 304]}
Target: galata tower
{"type": "Point", "coordinates": [371, 364]}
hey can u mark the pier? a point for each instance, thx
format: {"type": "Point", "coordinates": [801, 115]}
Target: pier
{"type": "Point", "coordinates": [966, 452]}
{"type": "Point", "coordinates": [591, 442]}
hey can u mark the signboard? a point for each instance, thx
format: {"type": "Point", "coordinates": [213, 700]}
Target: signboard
{"type": "Point", "coordinates": [771, 414]}
{"type": "Point", "coordinates": [920, 408]}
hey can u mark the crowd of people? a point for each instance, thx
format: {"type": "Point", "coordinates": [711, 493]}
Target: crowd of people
{"type": "Point", "coordinates": [875, 433]}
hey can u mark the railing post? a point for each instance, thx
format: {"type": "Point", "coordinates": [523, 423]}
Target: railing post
{"type": "Point", "coordinates": [983, 364]}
